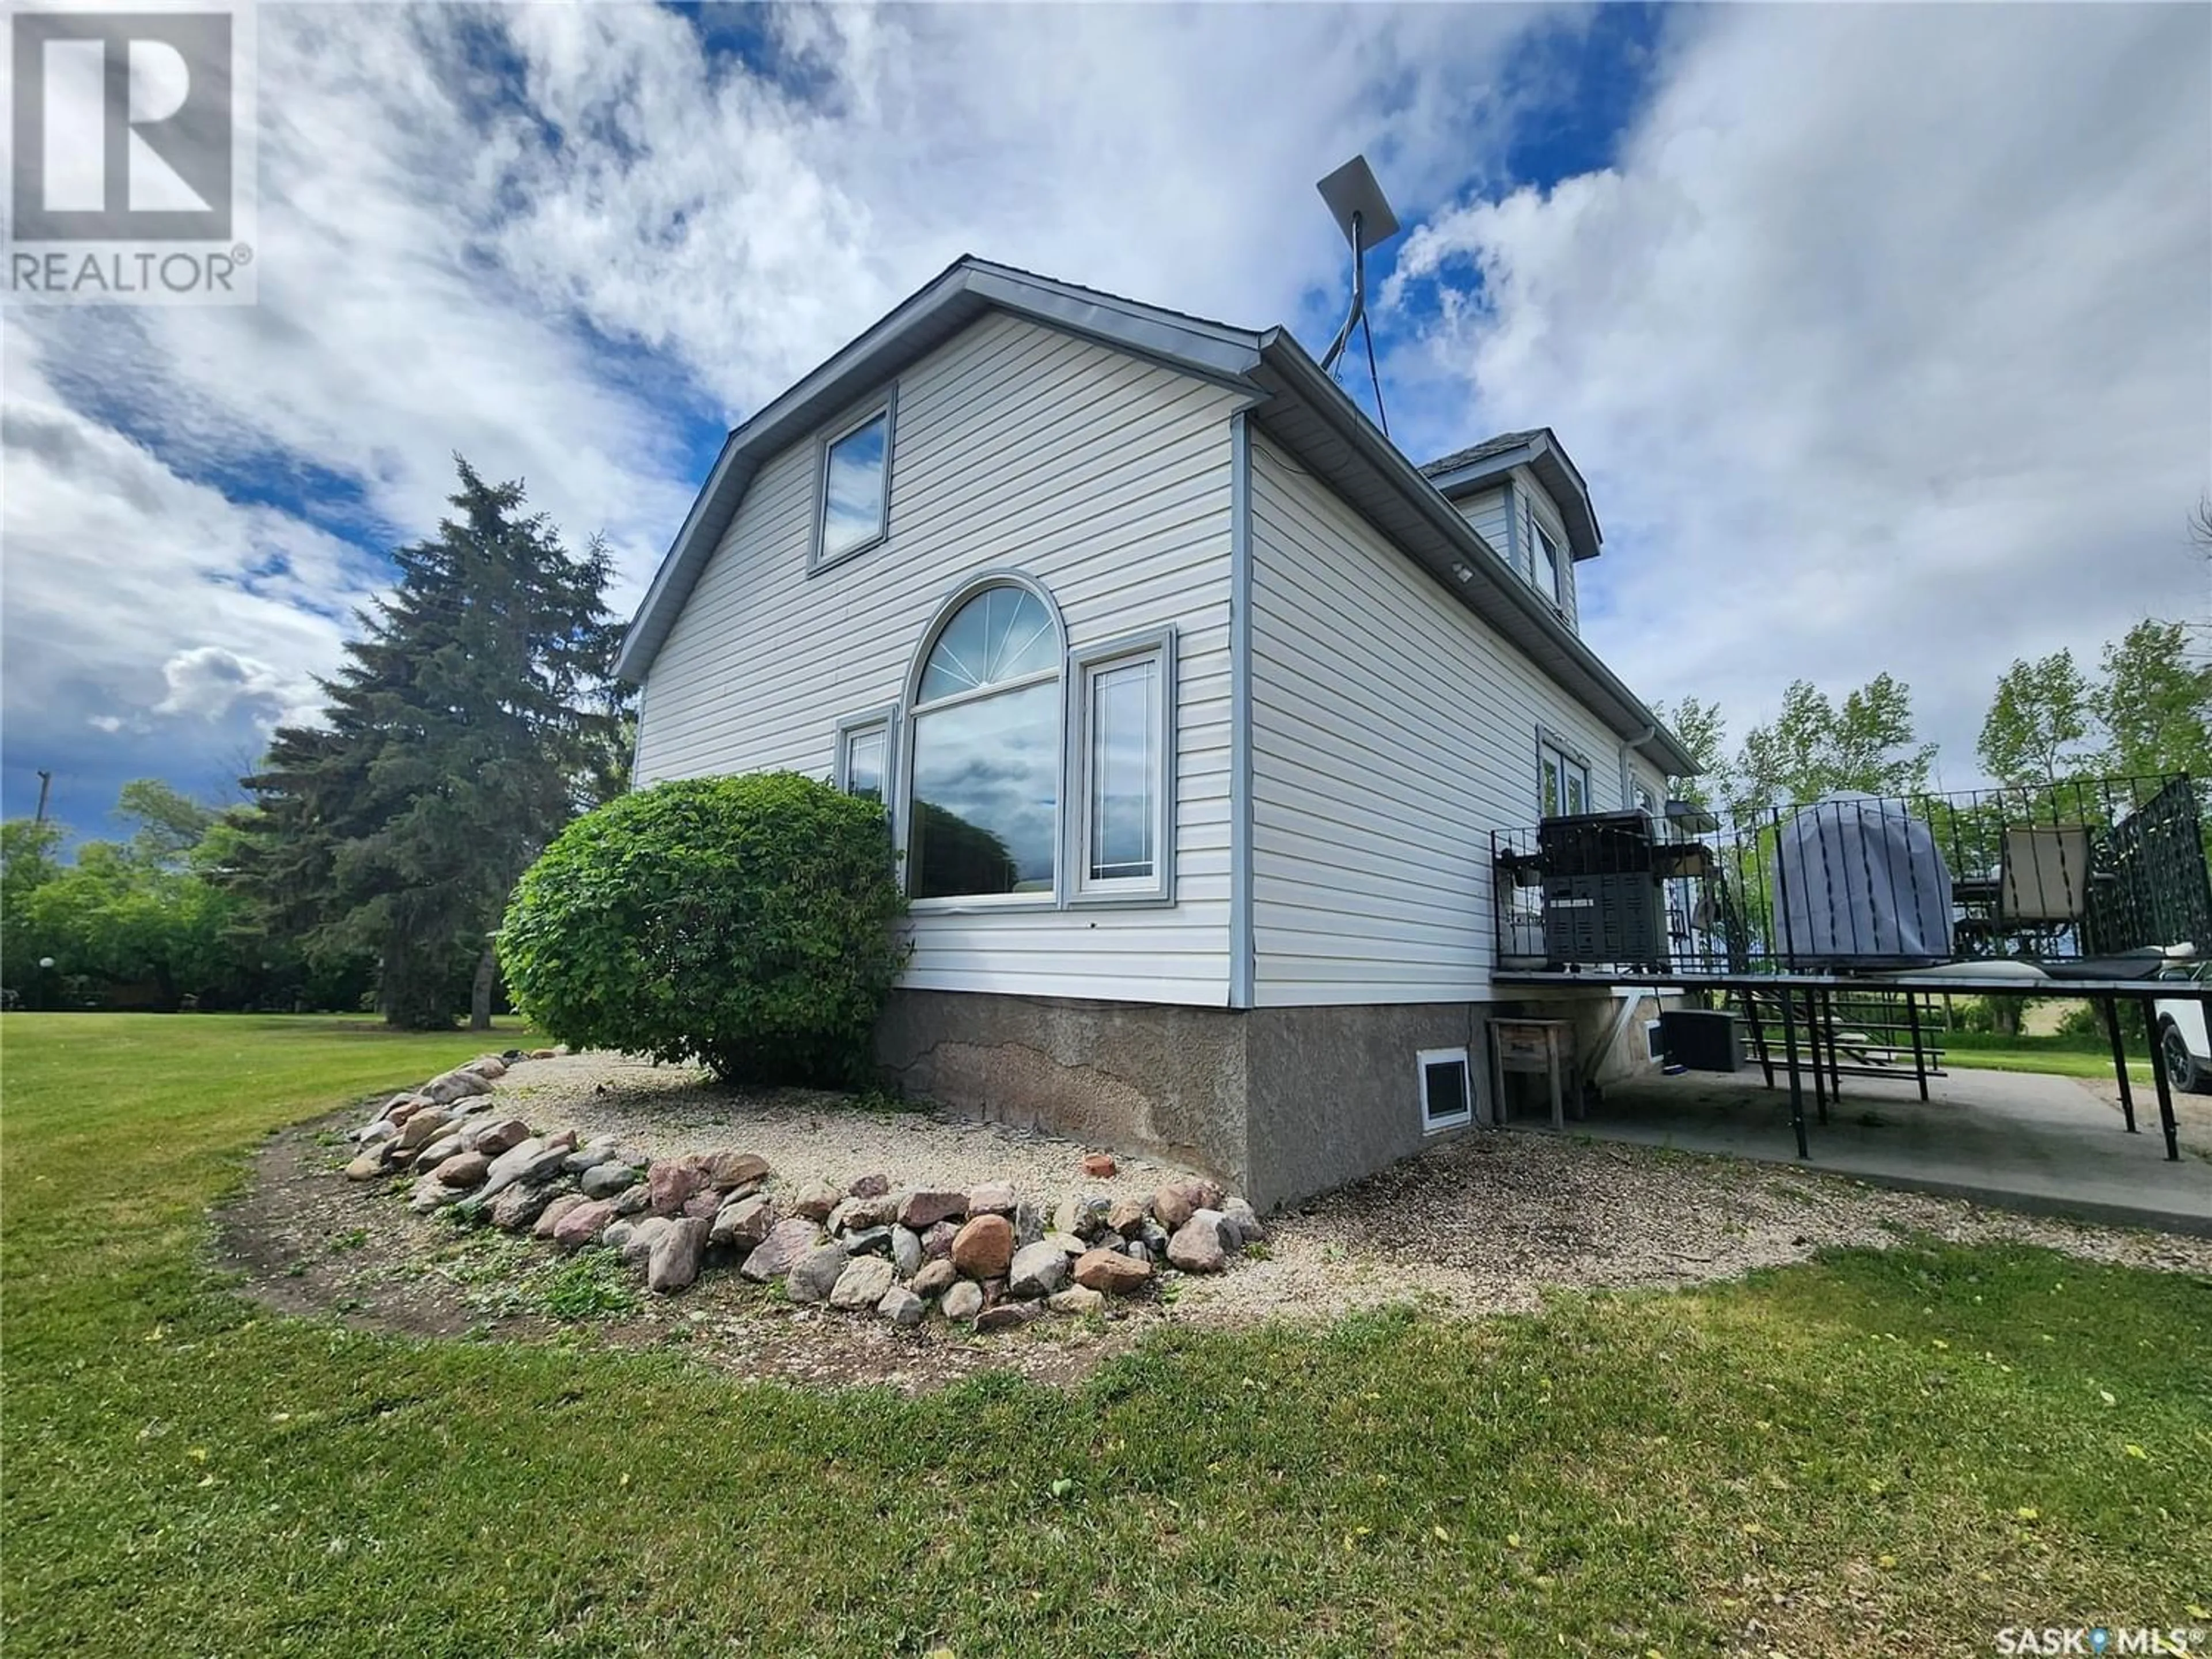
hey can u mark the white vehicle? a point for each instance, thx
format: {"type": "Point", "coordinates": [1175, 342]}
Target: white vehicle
{"type": "Point", "coordinates": [2185, 1043]}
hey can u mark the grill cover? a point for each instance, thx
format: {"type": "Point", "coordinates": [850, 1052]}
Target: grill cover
{"type": "Point", "coordinates": [1861, 884]}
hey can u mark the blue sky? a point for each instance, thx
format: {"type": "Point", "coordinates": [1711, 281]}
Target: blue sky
{"type": "Point", "coordinates": [1868, 369]}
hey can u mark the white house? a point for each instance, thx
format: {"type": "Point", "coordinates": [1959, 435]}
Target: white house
{"type": "Point", "coordinates": [1193, 701]}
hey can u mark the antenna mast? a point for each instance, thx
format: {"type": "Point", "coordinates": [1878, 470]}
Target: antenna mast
{"type": "Point", "coordinates": [1363, 213]}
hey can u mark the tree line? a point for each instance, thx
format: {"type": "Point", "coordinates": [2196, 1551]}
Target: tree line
{"type": "Point", "coordinates": [473, 716]}
{"type": "Point", "coordinates": [2146, 711]}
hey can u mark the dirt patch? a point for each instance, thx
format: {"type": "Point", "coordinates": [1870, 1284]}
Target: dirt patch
{"type": "Point", "coordinates": [1482, 1225]}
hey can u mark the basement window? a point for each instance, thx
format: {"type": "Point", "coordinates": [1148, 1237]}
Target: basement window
{"type": "Point", "coordinates": [1446, 1100]}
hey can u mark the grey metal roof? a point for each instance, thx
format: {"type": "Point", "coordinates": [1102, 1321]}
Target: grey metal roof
{"type": "Point", "coordinates": [1298, 405]}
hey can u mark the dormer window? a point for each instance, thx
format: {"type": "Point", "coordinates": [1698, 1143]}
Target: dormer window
{"type": "Point", "coordinates": [1548, 565]}
{"type": "Point", "coordinates": [854, 511]}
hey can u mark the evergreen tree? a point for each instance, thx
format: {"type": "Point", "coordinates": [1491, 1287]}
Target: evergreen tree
{"type": "Point", "coordinates": [472, 719]}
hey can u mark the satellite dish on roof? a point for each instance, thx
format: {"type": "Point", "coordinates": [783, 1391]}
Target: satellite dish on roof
{"type": "Point", "coordinates": [1363, 213]}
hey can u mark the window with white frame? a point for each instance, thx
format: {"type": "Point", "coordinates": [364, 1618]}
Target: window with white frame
{"type": "Point", "coordinates": [1566, 781]}
{"type": "Point", "coordinates": [1547, 571]}
{"type": "Point", "coordinates": [1447, 1091]}
{"type": "Point", "coordinates": [864, 755]}
{"type": "Point", "coordinates": [854, 510]}
{"type": "Point", "coordinates": [985, 746]}
{"type": "Point", "coordinates": [1124, 778]}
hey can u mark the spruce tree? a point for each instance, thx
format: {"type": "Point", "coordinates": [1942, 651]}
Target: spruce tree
{"type": "Point", "coordinates": [472, 719]}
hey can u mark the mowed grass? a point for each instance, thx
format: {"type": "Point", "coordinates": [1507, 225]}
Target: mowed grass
{"type": "Point", "coordinates": [1901, 1450]}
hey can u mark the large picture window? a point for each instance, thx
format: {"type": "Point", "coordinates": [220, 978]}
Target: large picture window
{"type": "Point", "coordinates": [1125, 742]}
{"type": "Point", "coordinates": [986, 752]}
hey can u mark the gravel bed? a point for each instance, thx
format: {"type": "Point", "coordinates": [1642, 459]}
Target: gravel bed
{"type": "Point", "coordinates": [1485, 1223]}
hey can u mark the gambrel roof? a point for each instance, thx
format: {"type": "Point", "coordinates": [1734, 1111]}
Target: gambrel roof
{"type": "Point", "coordinates": [1292, 400]}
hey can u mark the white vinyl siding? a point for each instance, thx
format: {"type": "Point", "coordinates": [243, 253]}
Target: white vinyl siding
{"type": "Point", "coordinates": [1104, 476]}
{"type": "Point", "coordinates": [1393, 729]}
{"type": "Point", "coordinates": [1486, 510]}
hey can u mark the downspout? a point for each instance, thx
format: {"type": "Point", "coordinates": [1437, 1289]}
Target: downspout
{"type": "Point", "coordinates": [1634, 746]}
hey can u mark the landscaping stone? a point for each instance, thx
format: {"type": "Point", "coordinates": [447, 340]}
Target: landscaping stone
{"type": "Point", "coordinates": [727, 1171]}
{"type": "Point", "coordinates": [937, 1241]}
{"type": "Point", "coordinates": [376, 1133]}
{"type": "Point", "coordinates": [502, 1137]}
{"type": "Point", "coordinates": [902, 1307]}
{"type": "Point", "coordinates": [873, 1241]}
{"type": "Point", "coordinates": [1111, 1272]}
{"type": "Point", "coordinates": [777, 1253]}
{"type": "Point", "coordinates": [607, 1180]}
{"type": "Point", "coordinates": [992, 1198]}
{"type": "Point", "coordinates": [464, 1170]}
{"type": "Point", "coordinates": [519, 1206]}
{"type": "Point", "coordinates": [743, 1221]}
{"type": "Point", "coordinates": [420, 1130]}
{"type": "Point", "coordinates": [1029, 1225]}
{"type": "Point", "coordinates": [869, 1186]}
{"type": "Point", "coordinates": [906, 1251]}
{"type": "Point", "coordinates": [367, 1167]}
{"type": "Point", "coordinates": [1242, 1217]}
{"type": "Point", "coordinates": [1038, 1270]}
{"type": "Point", "coordinates": [1126, 1215]}
{"type": "Point", "coordinates": [618, 1235]}
{"type": "Point", "coordinates": [815, 1274]}
{"type": "Point", "coordinates": [489, 1067]}
{"type": "Point", "coordinates": [444, 1147]}
{"type": "Point", "coordinates": [668, 1182]}
{"type": "Point", "coordinates": [633, 1200]}
{"type": "Point", "coordinates": [1069, 1244]}
{"type": "Point", "coordinates": [1135, 1249]}
{"type": "Point", "coordinates": [673, 1262]}
{"type": "Point", "coordinates": [964, 1301]}
{"type": "Point", "coordinates": [586, 1156]}
{"type": "Point", "coordinates": [702, 1206]}
{"type": "Point", "coordinates": [644, 1234]}
{"type": "Point", "coordinates": [1007, 1316]}
{"type": "Point", "coordinates": [935, 1276]}
{"type": "Point", "coordinates": [925, 1207]}
{"type": "Point", "coordinates": [984, 1249]}
{"type": "Point", "coordinates": [453, 1085]}
{"type": "Point", "coordinates": [550, 1217]}
{"type": "Point", "coordinates": [1175, 1200]}
{"type": "Point", "coordinates": [580, 1224]}
{"type": "Point", "coordinates": [862, 1213]}
{"type": "Point", "coordinates": [1075, 1299]}
{"type": "Point", "coordinates": [864, 1283]}
{"type": "Point", "coordinates": [816, 1200]}
{"type": "Point", "coordinates": [1154, 1238]}
{"type": "Point", "coordinates": [433, 1195]}
{"type": "Point", "coordinates": [511, 1165]}
{"type": "Point", "coordinates": [1197, 1246]}
{"type": "Point", "coordinates": [1100, 1166]}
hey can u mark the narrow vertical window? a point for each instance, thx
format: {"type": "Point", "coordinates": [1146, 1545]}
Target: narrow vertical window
{"type": "Point", "coordinates": [1125, 765]}
{"type": "Point", "coordinates": [855, 491]}
{"type": "Point", "coordinates": [1563, 781]}
{"type": "Point", "coordinates": [1548, 565]}
{"type": "Point", "coordinates": [865, 757]}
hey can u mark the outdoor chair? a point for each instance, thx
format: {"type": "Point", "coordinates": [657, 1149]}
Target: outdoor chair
{"type": "Point", "coordinates": [2044, 876]}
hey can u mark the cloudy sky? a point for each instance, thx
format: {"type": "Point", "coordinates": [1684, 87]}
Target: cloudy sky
{"type": "Point", "coordinates": [1883, 335]}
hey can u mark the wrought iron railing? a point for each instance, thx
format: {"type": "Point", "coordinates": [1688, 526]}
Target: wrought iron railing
{"type": "Point", "coordinates": [2077, 872]}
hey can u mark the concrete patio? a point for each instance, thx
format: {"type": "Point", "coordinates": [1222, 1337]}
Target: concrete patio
{"type": "Point", "coordinates": [2023, 1140]}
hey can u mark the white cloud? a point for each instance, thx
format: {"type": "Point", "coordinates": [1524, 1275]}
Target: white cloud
{"type": "Point", "coordinates": [1884, 345]}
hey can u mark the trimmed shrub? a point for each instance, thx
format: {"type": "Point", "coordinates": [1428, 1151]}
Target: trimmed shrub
{"type": "Point", "coordinates": [747, 923]}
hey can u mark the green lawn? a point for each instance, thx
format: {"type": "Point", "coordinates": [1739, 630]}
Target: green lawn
{"type": "Point", "coordinates": [2062, 1056]}
{"type": "Point", "coordinates": [1930, 1441]}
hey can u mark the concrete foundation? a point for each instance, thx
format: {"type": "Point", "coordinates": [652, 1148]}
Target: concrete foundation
{"type": "Point", "coordinates": [1277, 1103]}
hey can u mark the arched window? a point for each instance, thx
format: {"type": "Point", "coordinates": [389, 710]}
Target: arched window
{"type": "Point", "coordinates": [986, 751]}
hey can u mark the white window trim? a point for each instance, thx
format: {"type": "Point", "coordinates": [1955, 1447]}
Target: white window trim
{"type": "Point", "coordinates": [886, 408]}
{"type": "Point", "coordinates": [885, 720]}
{"type": "Point", "coordinates": [1159, 888]}
{"type": "Point", "coordinates": [1424, 1059]}
{"type": "Point", "coordinates": [912, 710]}
{"type": "Point", "coordinates": [1546, 558]}
{"type": "Point", "coordinates": [1550, 745]}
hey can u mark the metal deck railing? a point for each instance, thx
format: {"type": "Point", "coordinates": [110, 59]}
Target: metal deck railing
{"type": "Point", "coordinates": [2097, 870]}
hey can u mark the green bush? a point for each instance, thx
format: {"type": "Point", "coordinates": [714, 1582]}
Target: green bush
{"type": "Point", "coordinates": [747, 922]}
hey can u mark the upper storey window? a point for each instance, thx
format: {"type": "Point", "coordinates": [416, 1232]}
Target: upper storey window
{"type": "Point", "coordinates": [1548, 558]}
{"type": "Point", "coordinates": [856, 488]}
